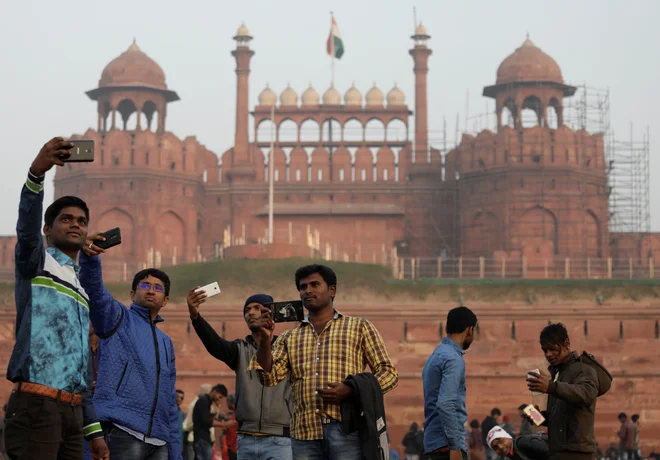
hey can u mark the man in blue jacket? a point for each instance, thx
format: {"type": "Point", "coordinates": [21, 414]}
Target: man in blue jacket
{"type": "Point", "coordinates": [135, 395]}
{"type": "Point", "coordinates": [444, 389]}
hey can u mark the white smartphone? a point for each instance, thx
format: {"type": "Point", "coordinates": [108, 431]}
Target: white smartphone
{"type": "Point", "coordinates": [210, 289]}
{"type": "Point", "coordinates": [535, 371]}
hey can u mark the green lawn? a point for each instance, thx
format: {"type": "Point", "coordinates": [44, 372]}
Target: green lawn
{"type": "Point", "coordinates": [373, 283]}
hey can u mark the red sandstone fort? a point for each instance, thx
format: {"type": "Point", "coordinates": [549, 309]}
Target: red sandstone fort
{"type": "Point", "coordinates": [354, 181]}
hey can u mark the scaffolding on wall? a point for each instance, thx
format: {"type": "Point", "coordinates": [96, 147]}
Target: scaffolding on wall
{"type": "Point", "coordinates": [627, 158]}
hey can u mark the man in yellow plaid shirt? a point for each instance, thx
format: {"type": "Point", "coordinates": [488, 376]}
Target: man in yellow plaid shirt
{"type": "Point", "coordinates": [318, 355]}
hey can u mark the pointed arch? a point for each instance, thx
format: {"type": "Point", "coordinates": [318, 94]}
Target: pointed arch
{"type": "Point", "coordinates": [540, 224]}
{"type": "Point", "coordinates": [170, 239]}
{"type": "Point", "coordinates": [118, 217]}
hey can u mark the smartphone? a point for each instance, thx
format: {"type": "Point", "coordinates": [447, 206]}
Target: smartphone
{"type": "Point", "coordinates": [81, 152]}
{"type": "Point", "coordinates": [112, 239]}
{"type": "Point", "coordinates": [288, 311]}
{"type": "Point", "coordinates": [210, 289]}
{"type": "Point", "coordinates": [536, 371]}
{"type": "Point", "coordinates": [531, 412]}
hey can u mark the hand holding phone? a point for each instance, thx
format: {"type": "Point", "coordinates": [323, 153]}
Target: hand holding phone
{"type": "Point", "coordinates": [530, 374]}
{"type": "Point", "coordinates": [111, 238]}
{"type": "Point", "coordinates": [210, 289]}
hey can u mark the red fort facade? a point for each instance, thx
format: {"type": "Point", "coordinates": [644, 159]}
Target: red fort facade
{"type": "Point", "coordinates": [353, 178]}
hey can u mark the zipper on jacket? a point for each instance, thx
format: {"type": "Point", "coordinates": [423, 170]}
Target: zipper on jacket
{"type": "Point", "coordinates": [121, 379]}
{"type": "Point", "coordinates": [153, 409]}
{"type": "Point", "coordinates": [261, 412]}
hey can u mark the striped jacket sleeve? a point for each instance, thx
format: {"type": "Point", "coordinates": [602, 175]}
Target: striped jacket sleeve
{"type": "Point", "coordinates": [91, 425]}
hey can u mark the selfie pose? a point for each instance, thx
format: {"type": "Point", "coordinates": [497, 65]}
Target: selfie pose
{"type": "Point", "coordinates": [135, 394]}
{"type": "Point", "coordinates": [47, 413]}
{"type": "Point", "coordinates": [262, 412]}
{"type": "Point", "coordinates": [527, 447]}
{"type": "Point", "coordinates": [319, 355]}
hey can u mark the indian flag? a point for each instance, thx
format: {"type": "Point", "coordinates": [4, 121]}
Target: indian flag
{"type": "Point", "coordinates": [335, 43]}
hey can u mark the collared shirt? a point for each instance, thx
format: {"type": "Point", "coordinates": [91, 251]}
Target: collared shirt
{"type": "Point", "coordinates": [444, 398]}
{"type": "Point", "coordinates": [344, 347]}
{"type": "Point", "coordinates": [52, 310]}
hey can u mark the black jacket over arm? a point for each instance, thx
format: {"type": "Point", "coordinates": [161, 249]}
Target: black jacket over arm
{"type": "Point", "coordinates": [365, 412]}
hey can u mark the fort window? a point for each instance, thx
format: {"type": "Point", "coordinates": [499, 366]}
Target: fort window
{"type": "Point", "coordinates": [101, 185]}
{"type": "Point", "coordinates": [341, 175]}
{"type": "Point", "coordinates": [385, 171]}
{"type": "Point", "coordinates": [218, 201]}
{"type": "Point", "coordinates": [531, 112]}
{"type": "Point", "coordinates": [297, 175]}
{"type": "Point", "coordinates": [310, 131]}
{"type": "Point", "coordinates": [130, 186]}
{"type": "Point", "coordinates": [319, 174]}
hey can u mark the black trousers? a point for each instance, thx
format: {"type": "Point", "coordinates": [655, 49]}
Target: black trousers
{"type": "Point", "coordinates": [40, 428]}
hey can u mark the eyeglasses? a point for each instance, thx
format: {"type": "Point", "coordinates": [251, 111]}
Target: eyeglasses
{"type": "Point", "coordinates": [147, 286]}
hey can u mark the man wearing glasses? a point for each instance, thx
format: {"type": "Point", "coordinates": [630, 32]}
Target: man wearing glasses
{"type": "Point", "coordinates": [135, 395]}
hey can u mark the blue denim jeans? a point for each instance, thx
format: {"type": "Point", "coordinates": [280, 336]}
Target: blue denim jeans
{"type": "Point", "coordinates": [128, 447]}
{"type": "Point", "coordinates": [203, 449]}
{"type": "Point", "coordinates": [335, 445]}
{"type": "Point", "coordinates": [264, 448]}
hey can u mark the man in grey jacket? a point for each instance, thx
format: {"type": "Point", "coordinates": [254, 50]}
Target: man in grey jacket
{"type": "Point", "coordinates": [262, 413]}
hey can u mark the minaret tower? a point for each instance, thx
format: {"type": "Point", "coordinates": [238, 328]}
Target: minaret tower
{"type": "Point", "coordinates": [420, 53]}
{"type": "Point", "coordinates": [243, 54]}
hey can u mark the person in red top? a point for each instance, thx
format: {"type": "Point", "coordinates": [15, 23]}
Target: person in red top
{"type": "Point", "coordinates": [231, 433]}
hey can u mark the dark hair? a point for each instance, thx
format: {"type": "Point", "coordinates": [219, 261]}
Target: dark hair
{"type": "Point", "coordinates": [220, 388]}
{"type": "Point", "coordinates": [180, 391]}
{"type": "Point", "coordinates": [634, 418]}
{"type": "Point", "coordinates": [622, 416]}
{"type": "Point", "coordinates": [56, 207]}
{"type": "Point", "coordinates": [554, 335]}
{"type": "Point", "coordinates": [522, 406]}
{"type": "Point", "coordinates": [326, 273]}
{"type": "Point", "coordinates": [495, 412]}
{"type": "Point", "coordinates": [459, 319]}
{"type": "Point", "coordinates": [144, 274]}
{"type": "Point", "coordinates": [474, 423]}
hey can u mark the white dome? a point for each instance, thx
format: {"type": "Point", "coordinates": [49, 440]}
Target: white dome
{"type": "Point", "coordinates": [267, 97]}
{"type": "Point", "coordinates": [375, 97]}
{"type": "Point", "coordinates": [353, 96]}
{"type": "Point", "coordinates": [310, 96]}
{"type": "Point", "coordinates": [289, 97]}
{"type": "Point", "coordinates": [396, 97]}
{"type": "Point", "coordinates": [332, 97]}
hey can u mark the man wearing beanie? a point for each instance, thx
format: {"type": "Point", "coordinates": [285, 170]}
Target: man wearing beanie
{"type": "Point", "coordinates": [262, 412]}
{"type": "Point", "coordinates": [527, 447]}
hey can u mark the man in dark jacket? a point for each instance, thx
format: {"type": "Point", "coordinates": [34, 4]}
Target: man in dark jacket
{"type": "Point", "coordinates": [411, 444]}
{"type": "Point", "coordinates": [135, 393]}
{"type": "Point", "coordinates": [572, 389]}
{"type": "Point", "coordinates": [262, 413]}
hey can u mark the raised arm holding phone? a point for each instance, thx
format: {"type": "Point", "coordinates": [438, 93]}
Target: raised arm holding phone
{"type": "Point", "coordinates": [262, 412]}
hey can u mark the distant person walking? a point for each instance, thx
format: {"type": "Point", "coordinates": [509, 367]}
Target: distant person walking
{"type": "Point", "coordinates": [410, 443]}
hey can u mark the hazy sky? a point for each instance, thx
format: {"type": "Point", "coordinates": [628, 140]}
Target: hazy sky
{"type": "Point", "coordinates": [52, 52]}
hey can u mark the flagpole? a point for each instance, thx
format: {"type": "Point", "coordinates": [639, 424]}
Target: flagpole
{"type": "Point", "coordinates": [332, 54]}
{"type": "Point", "coordinates": [271, 174]}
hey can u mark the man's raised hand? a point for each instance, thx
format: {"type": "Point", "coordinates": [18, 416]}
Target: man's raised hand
{"type": "Point", "coordinates": [90, 249]}
{"type": "Point", "coordinates": [195, 299]}
{"type": "Point", "coordinates": [51, 154]}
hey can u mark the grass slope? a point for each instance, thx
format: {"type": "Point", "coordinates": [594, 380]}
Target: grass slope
{"type": "Point", "coordinates": [365, 283]}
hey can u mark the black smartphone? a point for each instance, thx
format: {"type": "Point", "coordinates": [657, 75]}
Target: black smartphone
{"type": "Point", "coordinates": [112, 239]}
{"type": "Point", "coordinates": [81, 152]}
{"type": "Point", "coordinates": [286, 312]}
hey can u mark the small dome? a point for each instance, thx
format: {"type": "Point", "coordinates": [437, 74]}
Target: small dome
{"type": "Point", "coordinates": [529, 63]}
{"type": "Point", "coordinates": [421, 31]}
{"type": "Point", "coordinates": [396, 97]}
{"type": "Point", "coordinates": [310, 96]}
{"type": "Point", "coordinates": [375, 96]}
{"type": "Point", "coordinates": [267, 97]}
{"type": "Point", "coordinates": [353, 96]}
{"type": "Point", "coordinates": [133, 68]}
{"type": "Point", "coordinates": [332, 96]}
{"type": "Point", "coordinates": [289, 97]}
{"type": "Point", "coordinates": [242, 31]}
